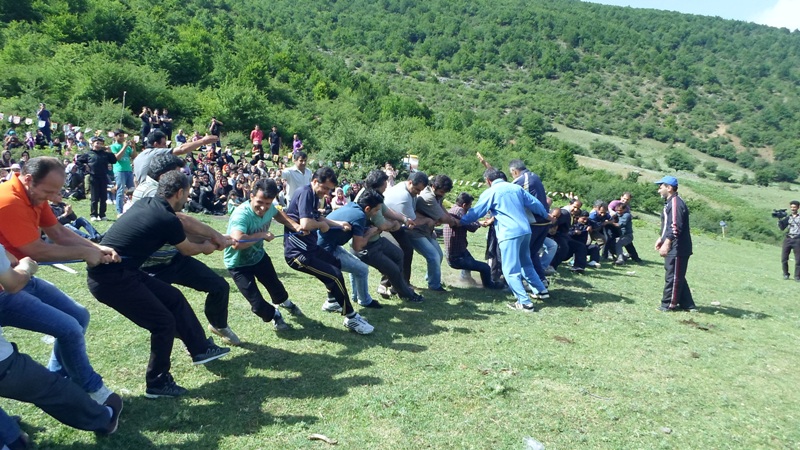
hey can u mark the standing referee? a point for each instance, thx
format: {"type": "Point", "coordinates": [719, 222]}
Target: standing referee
{"type": "Point", "coordinates": [791, 224]}
{"type": "Point", "coordinates": [675, 246]}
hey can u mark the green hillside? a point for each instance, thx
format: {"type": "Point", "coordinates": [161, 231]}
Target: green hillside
{"type": "Point", "coordinates": [369, 82]}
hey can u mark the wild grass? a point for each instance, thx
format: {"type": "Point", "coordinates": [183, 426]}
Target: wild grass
{"type": "Point", "coordinates": [596, 367]}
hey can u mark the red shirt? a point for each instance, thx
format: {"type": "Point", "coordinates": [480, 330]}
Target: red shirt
{"type": "Point", "coordinates": [21, 222]}
{"type": "Point", "coordinates": [257, 136]}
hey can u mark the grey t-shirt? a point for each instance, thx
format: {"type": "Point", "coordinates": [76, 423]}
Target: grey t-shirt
{"type": "Point", "coordinates": [429, 206]}
{"type": "Point", "coordinates": [142, 162]}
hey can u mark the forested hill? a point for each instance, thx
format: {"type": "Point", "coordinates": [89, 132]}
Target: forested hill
{"type": "Point", "coordinates": [727, 88]}
{"type": "Point", "coordinates": [370, 81]}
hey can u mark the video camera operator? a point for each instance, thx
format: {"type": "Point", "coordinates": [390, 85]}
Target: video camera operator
{"type": "Point", "coordinates": [791, 224]}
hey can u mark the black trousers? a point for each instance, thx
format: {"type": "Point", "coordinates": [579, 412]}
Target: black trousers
{"type": "Point", "coordinates": [465, 261]}
{"type": "Point", "coordinates": [189, 272]}
{"type": "Point", "coordinates": [563, 250]}
{"type": "Point", "coordinates": [493, 255]}
{"type": "Point", "coordinates": [23, 379]}
{"type": "Point", "coordinates": [676, 290]}
{"type": "Point", "coordinates": [401, 236]}
{"type": "Point", "coordinates": [387, 258]}
{"type": "Point", "coordinates": [790, 244]}
{"type": "Point", "coordinates": [98, 190]}
{"type": "Point", "coordinates": [326, 268]}
{"type": "Point", "coordinates": [538, 233]}
{"type": "Point", "coordinates": [155, 306]}
{"type": "Point", "coordinates": [611, 234]}
{"type": "Point", "coordinates": [245, 278]}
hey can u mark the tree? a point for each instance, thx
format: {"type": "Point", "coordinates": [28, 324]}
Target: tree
{"type": "Point", "coordinates": [680, 160]}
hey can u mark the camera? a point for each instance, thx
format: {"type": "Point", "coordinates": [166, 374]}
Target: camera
{"type": "Point", "coordinates": [779, 213]}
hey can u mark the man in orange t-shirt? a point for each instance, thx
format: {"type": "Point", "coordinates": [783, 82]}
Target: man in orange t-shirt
{"type": "Point", "coordinates": [40, 306]}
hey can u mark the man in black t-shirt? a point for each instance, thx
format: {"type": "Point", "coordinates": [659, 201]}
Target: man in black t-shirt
{"type": "Point", "coordinates": [274, 141]}
{"type": "Point", "coordinates": [147, 301]}
{"type": "Point", "coordinates": [303, 254]}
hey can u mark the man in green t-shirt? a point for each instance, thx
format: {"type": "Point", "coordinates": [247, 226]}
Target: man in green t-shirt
{"type": "Point", "coordinates": [247, 261]}
{"type": "Point", "coordinates": [125, 150]}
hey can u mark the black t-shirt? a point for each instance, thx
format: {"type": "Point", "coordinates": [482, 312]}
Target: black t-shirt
{"type": "Point", "coordinates": [303, 205]}
{"type": "Point", "coordinates": [274, 139]}
{"type": "Point", "coordinates": [214, 128]}
{"type": "Point", "coordinates": [99, 161]}
{"type": "Point", "coordinates": [140, 232]}
{"type": "Point", "coordinates": [223, 190]}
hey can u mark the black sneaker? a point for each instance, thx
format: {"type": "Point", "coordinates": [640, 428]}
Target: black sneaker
{"type": "Point", "coordinates": [373, 304]}
{"type": "Point", "coordinates": [786, 276]}
{"type": "Point", "coordinates": [292, 308]}
{"type": "Point", "coordinates": [279, 324]}
{"type": "Point", "coordinates": [416, 298]}
{"type": "Point", "coordinates": [213, 352]}
{"type": "Point", "coordinates": [114, 401]}
{"type": "Point", "coordinates": [170, 389]}
{"type": "Point", "coordinates": [439, 289]}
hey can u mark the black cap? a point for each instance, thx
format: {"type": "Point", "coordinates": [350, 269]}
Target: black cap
{"type": "Point", "coordinates": [97, 138]}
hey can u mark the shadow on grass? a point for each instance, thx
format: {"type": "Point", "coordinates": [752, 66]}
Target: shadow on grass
{"type": "Point", "coordinates": [240, 399]}
{"type": "Point", "coordinates": [732, 312]}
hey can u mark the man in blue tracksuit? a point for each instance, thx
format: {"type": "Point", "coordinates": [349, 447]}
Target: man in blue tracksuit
{"type": "Point", "coordinates": [508, 202]}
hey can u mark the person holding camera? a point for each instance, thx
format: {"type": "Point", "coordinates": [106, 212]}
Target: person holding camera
{"type": "Point", "coordinates": [791, 224]}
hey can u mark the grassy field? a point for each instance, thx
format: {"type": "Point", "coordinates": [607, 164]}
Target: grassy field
{"type": "Point", "coordinates": [596, 367]}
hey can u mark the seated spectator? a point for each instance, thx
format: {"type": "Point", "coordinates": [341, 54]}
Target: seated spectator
{"type": "Point", "coordinates": [24, 157]}
{"type": "Point", "coordinates": [339, 200]}
{"type": "Point", "coordinates": [11, 140]}
{"type": "Point", "coordinates": [67, 217]}
{"type": "Point", "coordinates": [6, 161]}
{"type": "Point", "coordinates": [75, 187]}
{"type": "Point", "coordinates": [30, 142]}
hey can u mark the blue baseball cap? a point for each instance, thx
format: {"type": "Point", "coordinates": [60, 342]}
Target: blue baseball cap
{"type": "Point", "coordinates": [672, 181]}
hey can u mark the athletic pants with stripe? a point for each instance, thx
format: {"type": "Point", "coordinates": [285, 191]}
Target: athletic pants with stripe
{"type": "Point", "coordinates": [676, 290]}
{"type": "Point", "coordinates": [325, 267]}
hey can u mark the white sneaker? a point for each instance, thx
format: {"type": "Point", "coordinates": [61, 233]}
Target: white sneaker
{"type": "Point", "coordinates": [330, 306]}
{"type": "Point", "coordinates": [593, 264]}
{"type": "Point", "coordinates": [227, 335]}
{"type": "Point", "coordinates": [358, 324]}
{"type": "Point", "coordinates": [101, 395]}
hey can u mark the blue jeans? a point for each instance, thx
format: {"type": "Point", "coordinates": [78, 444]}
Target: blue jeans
{"type": "Point", "coordinates": [81, 222]}
{"type": "Point", "coordinates": [359, 275]}
{"type": "Point", "coordinates": [550, 248]}
{"type": "Point", "coordinates": [429, 248]}
{"type": "Point", "coordinates": [465, 261]}
{"type": "Point", "coordinates": [43, 308]}
{"type": "Point", "coordinates": [517, 264]}
{"type": "Point", "coordinates": [124, 181]}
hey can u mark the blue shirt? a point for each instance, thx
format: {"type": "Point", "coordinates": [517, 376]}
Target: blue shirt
{"type": "Point", "coordinates": [303, 205]}
{"type": "Point", "coordinates": [350, 213]}
{"type": "Point", "coordinates": [245, 220]}
{"type": "Point", "coordinates": [507, 202]}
